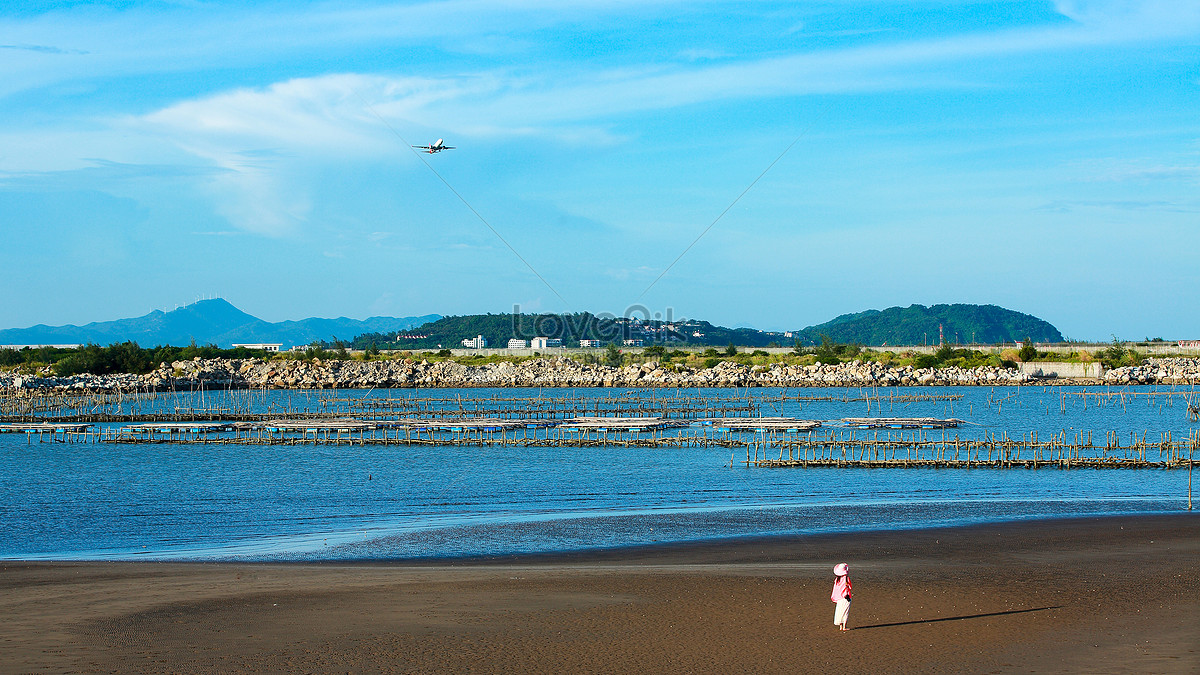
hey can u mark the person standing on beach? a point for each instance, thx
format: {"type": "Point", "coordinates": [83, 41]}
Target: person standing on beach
{"type": "Point", "coordinates": [841, 595]}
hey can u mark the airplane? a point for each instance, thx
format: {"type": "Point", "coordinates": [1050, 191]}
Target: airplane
{"type": "Point", "coordinates": [434, 147]}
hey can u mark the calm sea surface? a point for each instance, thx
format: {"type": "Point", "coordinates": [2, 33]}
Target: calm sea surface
{"type": "Point", "coordinates": [313, 502]}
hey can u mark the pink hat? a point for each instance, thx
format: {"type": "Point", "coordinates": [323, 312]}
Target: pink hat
{"type": "Point", "coordinates": [841, 569]}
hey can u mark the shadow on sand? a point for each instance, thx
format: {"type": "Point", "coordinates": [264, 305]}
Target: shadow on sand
{"type": "Point", "coordinates": [957, 618]}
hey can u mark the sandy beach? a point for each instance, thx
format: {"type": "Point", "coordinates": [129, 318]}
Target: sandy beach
{"type": "Point", "coordinates": [1100, 595]}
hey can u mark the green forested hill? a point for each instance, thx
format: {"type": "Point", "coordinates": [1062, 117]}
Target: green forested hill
{"type": "Point", "coordinates": [448, 332]}
{"type": "Point", "coordinates": [918, 324]}
{"type": "Point", "coordinates": [912, 325]}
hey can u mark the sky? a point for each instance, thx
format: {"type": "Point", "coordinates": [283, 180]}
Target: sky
{"type": "Point", "coordinates": [764, 164]}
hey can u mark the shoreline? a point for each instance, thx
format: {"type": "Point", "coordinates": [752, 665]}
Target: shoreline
{"type": "Point", "coordinates": [774, 545]}
{"type": "Point", "coordinates": [219, 555]}
{"type": "Point", "coordinates": [1093, 594]}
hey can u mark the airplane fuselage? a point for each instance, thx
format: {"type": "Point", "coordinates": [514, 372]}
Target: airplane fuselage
{"type": "Point", "coordinates": [434, 147]}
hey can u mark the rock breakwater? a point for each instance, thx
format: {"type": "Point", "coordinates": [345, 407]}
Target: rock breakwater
{"type": "Point", "coordinates": [562, 372]}
{"type": "Point", "coordinates": [554, 372]}
{"type": "Point", "coordinates": [1157, 371]}
{"type": "Point", "coordinates": [546, 372]}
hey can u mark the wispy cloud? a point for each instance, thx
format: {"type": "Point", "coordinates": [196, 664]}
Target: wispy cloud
{"type": "Point", "coordinates": [101, 174]}
{"type": "Point", "coordinates": [1188, 173]}
{"type": "Point", "coordinates": [259, 200]}
{"type": "Point", "coordinates": [642, 273]}
{"type": "Point", "coordinates": [1119, 171]}
{"type": "Point", "coordinates": [697, 54]}
{"type": "Point", "coordinates": [43, 49]}
{"type": "Point", "coordinates": [1065, 206]}
{"type": "Point", "coordinates": [331, 110]}
{"type": "Point", "coordinates": [156, 38]}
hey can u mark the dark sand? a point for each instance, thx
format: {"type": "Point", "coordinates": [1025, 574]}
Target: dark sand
{"type": "Point", "coordinates": [1112, 595]}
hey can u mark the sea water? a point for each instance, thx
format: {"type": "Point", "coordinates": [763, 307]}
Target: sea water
{"type": "Point", "coordinates": [80, 501]}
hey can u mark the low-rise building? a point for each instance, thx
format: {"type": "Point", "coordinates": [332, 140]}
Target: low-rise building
{"type": "Point", "coordinates": [591, 343]}
{"type": "Point", "coordinates": [265, 346]}
{"type": "Point", "coordinates": [477, 342]}
{"type": "Point", "coordinates": [544, 342]}
{"type": "Point", "coordinates": [635, 343]}
{"type": "Point", "coordinates": [517, 343]}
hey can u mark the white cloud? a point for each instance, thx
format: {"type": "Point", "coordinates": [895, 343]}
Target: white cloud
{"type": "Point", "coordinates": [263, 139]}
{"type": "Point", "coordinates": [255, 135]}
{"type": "Point", "coordinates": [323, 114]}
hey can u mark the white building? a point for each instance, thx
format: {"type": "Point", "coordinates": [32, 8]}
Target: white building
{"type": "Point", "coordinates": [265, 346]}
{"type": "Point", "coordinates": [590, 343]}
{"type": "Point", "coordinates": [635, 343]}
{"type": "Point", "coordinates": [544, 342]}
{"type": "Point", "coordinates": [517, 343]}
{"type": "Point", "coordinates": [477, 342]}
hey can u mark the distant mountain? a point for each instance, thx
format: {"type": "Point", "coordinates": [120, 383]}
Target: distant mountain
{"type": "Point", "coordinates": [917, 324]}
{"type": "Point", "coordinates": [207, 322]}
{"type": "Point", "coordinates": [220, 323]}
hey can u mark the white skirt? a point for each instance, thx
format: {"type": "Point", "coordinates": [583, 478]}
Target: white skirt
{"type": "Point", "coordinates": [841, 612]}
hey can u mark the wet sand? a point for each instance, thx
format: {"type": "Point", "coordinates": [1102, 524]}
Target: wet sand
{"type": "Point", "coordinates": [1102, 595]}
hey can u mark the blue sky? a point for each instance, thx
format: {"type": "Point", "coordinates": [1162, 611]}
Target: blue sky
{"type": "Point", "coordinates": [1042, 156]}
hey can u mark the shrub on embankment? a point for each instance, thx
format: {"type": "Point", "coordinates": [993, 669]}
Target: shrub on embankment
{"type": "Point", "coordinates": [121, 357]}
